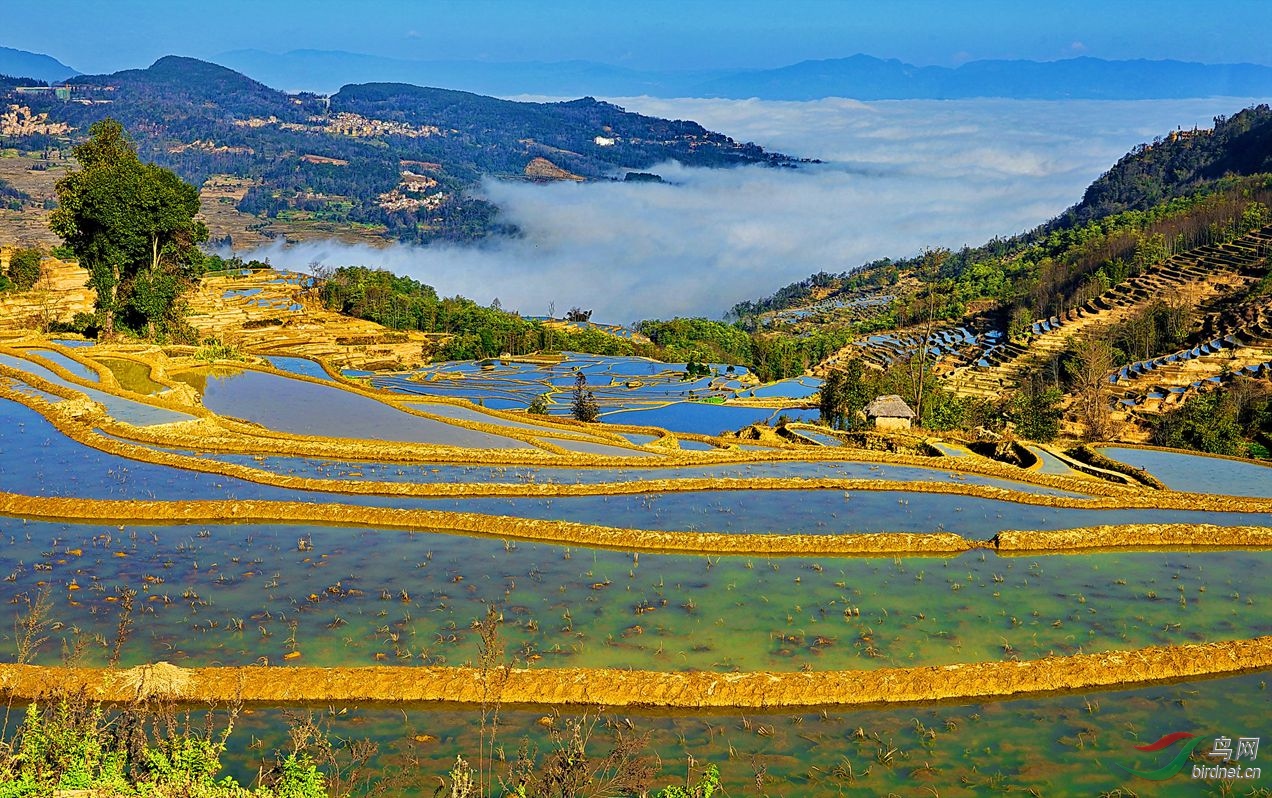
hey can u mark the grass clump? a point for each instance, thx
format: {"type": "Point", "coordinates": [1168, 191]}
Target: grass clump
{"type": "Point", "coordinates": [213, 349]}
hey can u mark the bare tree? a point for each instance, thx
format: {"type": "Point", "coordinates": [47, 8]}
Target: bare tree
{"type": "Point", "coordinates": [921, 362]}
{"type": "Point", "coordinates": [1091, 366]}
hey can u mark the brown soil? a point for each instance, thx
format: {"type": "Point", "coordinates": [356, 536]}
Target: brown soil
{"type": "Point", "coordinates": [543, 169]}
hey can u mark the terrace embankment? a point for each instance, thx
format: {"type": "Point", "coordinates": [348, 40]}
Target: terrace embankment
{"type": "Point", "coordinates": [573, 533]}
{"type": "Point", "coordinates": [582, 687]}
{"type": "Point", "coordinates": [1132, 536]}
{"type": "Point", "coordinates": [566, 532]}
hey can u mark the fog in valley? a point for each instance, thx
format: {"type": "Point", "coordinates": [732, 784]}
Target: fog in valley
{"type": "Point", "coordinates": [897, 177]}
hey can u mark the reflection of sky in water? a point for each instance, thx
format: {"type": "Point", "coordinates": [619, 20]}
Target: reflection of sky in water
{"type": "Point", "coordinates": [328, 468]}
{"type": "Point", "coordinates": [70, 364]}
{"type": "Point", "coordinates": [1179, 471]}
{"type": "Point", "coordinates": [617, 383]}
{"type": "Point", "coordinates": [125, 410]}
{"type": "Point", "coordinates": [41, 461]}
{"type": "Point", "coordinates": [306, 408]}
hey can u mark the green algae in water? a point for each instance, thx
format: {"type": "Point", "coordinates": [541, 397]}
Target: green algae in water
{"type": "Point", "coordinates": [132, 376]}
{"type": "Point", "coordinates": [229, 594]}
{"type": "Point", "coordinates": [1068, 745]}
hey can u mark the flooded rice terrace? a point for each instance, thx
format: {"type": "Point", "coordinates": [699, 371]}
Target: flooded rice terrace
{"type": "Point", "coordinates": [104, 426]}
{"type": "Point", "coordinates": [236, 594]}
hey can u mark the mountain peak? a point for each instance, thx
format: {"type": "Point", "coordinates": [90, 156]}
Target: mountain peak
{"type": "Point", "coordinates": [24, 64]}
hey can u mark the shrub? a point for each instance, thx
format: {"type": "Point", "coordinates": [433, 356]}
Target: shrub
{"type": "Point", "coordinates": [539, 405]}
{"type": "Point", "coordinates": [215, 349]}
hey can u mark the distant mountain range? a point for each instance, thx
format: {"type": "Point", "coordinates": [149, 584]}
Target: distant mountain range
{"type": "Point", "coordinates": [860, 77]}
{"type": "Point", "coordinates": [22, 64]}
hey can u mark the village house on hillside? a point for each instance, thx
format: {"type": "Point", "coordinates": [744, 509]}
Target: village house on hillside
{"type": "Point", "coordinates": [889, 412]}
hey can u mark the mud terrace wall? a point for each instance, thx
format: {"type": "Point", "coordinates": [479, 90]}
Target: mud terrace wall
{"type": "Point", "coordinates": [571, 533]}
{"type": "Point", "coordinates": [696, 690]}
{"type": "Point", "coordinates": [1133, 536]}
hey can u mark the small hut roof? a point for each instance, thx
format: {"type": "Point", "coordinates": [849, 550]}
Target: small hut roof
{"type": "Point", "coordinates": [890, 406]}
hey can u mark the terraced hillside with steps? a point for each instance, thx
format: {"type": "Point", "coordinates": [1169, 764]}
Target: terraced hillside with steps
{"type": "Point", "coordinates": [1198, 276]}
{"type": "Point", "coordinates": [951, 346]}
{"type": "Point", "coordinates": [267, 311]}
{"type": "Point", "coordinates": [1161, 383]}
{"type": "Point", "coordinates": [853, 306]}
{"type": "Point", "coordinates": [58, 296]}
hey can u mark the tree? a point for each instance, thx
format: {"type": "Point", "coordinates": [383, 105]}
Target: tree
{"type": "Point", "coordinates": [584, 406]}
{"type": "Point", "coordinates": [832, 397]}
{"type": "Point", "coordinates": [24, 268]}
{"type": "Point", "coordinates": [921, 362]}
{"type": "Point", "coordinates": [1035, 409]}
{"type": "Point", "coordinates": [132, 226]}
{"type": "Point", "coordinates": [539, 405]}
{"type": "Point", "coordinates": [844, 394]}
{"type": "Point", "coordinates": [1088, 363]}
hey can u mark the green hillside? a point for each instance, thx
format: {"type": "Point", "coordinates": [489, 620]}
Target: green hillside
{"type": "Point", "coordinates": [404, 158]}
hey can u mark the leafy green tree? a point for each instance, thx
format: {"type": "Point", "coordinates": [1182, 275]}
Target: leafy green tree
{"type": "Point", "coordinates": [24, 268]}
{"type": "Point", "coordinates": [1208, 423]}
{"type": "Point", "coordinates": [1035, 409]}
{"type": "Point", "coordinates": [831, 398]}
{"type": "Point", "coordinates": [584, 406]}
{"type": "Point", "coordinates": [844, 394]}
{"type": "Point", "coordinates": [538, 405]}
{"type": "Point", "coordinates": [132, 225]}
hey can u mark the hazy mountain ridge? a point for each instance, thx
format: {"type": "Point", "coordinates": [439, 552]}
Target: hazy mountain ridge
{"type": "Point", "coordinates": [860, 76]}
{"type": "Point", "coordinates": [24, 64]}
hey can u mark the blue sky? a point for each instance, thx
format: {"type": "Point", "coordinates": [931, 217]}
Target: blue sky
{"type": "Point", "coordinates": [98, 36]}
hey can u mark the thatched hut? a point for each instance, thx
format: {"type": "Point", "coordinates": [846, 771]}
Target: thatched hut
{"type": "Point", "coordinates": [889, 412]}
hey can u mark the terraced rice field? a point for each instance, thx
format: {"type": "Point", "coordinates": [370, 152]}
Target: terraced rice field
{"type": "Point", "coordinates": [361, 590]}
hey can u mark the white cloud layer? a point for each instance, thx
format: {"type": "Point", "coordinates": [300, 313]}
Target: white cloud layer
{"type": "Point", "coordinates": [899, 176]}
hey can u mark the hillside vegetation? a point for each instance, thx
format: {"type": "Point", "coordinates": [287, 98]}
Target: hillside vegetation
{"type": "Point", "coordinates": [1141, 309]}
{"type": "Point", "coordinates": [396, 158]}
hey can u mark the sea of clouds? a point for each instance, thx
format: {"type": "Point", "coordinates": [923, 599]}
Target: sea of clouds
{"type": "Point", "coordinates": [897, 177]}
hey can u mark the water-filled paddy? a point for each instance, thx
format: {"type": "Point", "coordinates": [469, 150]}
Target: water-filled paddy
{"type": "Point", "coordinates": [232, 594]}
{"type": "Point", "coordinates": [1057, 746]}
{"type": "Point", "coordinates": [825, 512]}
{"type": "Point", "coordinates": [1197, 473]}
{"type": "Point", "coordinates": [1048, 463]}
{"type": "Point", "coordinates": [69, 363]}
{"type": "Point", "coordinates": [306, 408]}
{"type": "Point", "coordinates": [126, 410]}
{"type": "Point", "coordinates": [132, 376]}
{"type": "Point", "coordinates": [298, 365]}
{"type": "Point", "coordinates": [705, 419]}
{"type": "Point", "coordinates": [44, 462]}
{"type": "Point", "coordinates": [326, 468]}
{"type": "Point", "coordinates": [40, 461]}
{"type": "Point", "coordinates": [629, 390]}
{"type": "Point", "coordinates": [595, 447]}
{"type": "Point", "coordinates": [793, 388]}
